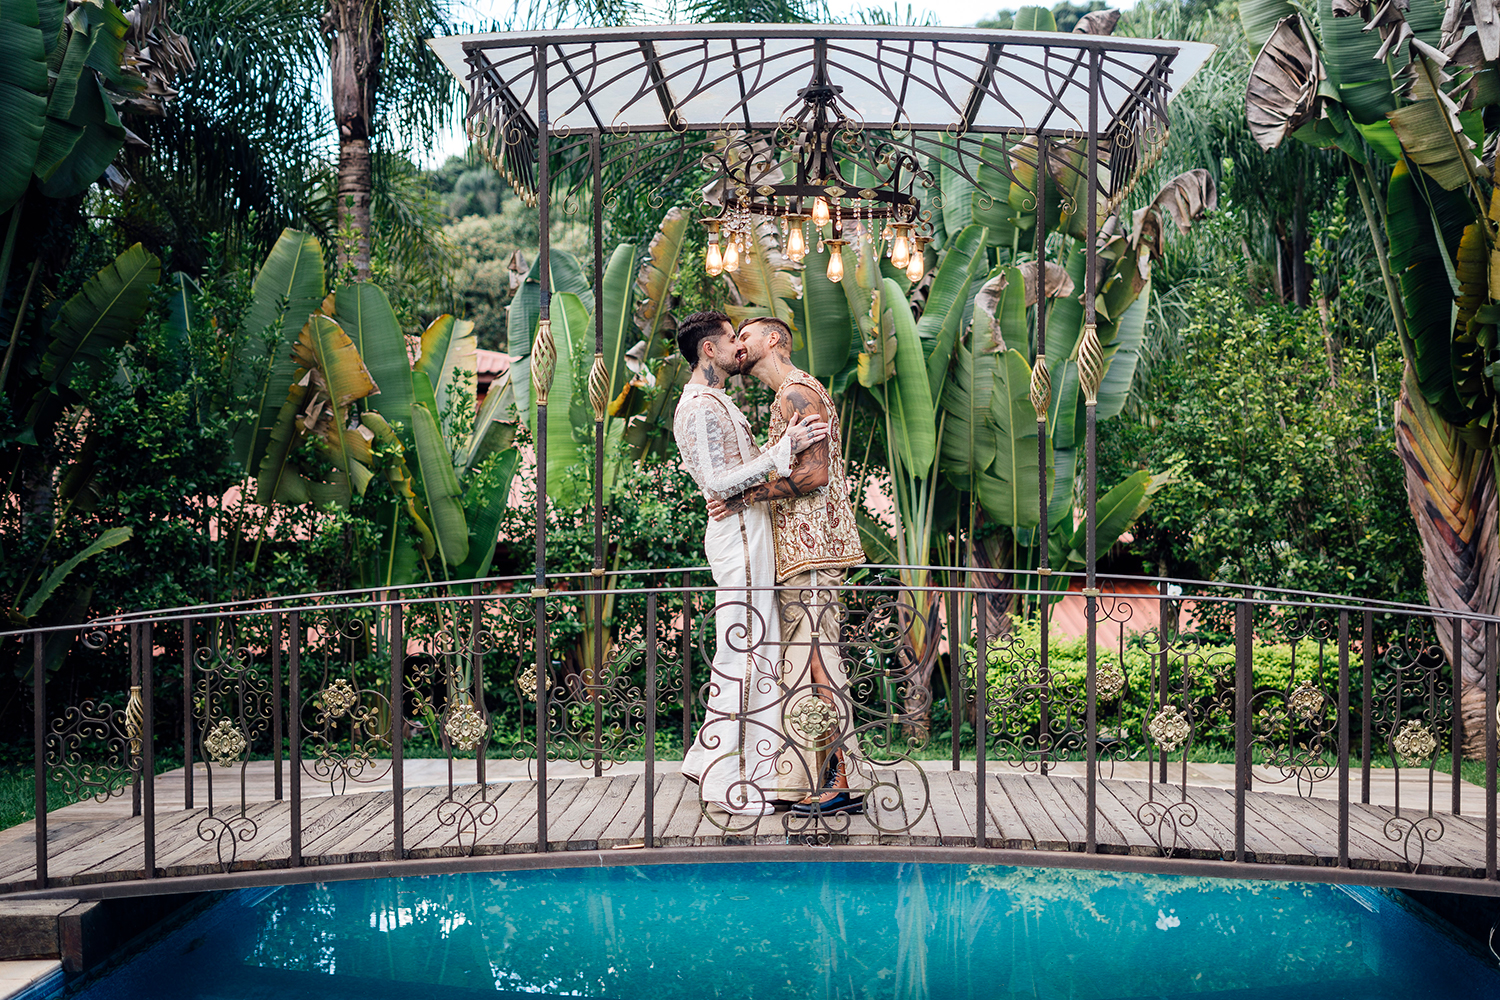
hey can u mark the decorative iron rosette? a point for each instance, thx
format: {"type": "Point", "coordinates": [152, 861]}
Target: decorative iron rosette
{"type": "Point", "coordinates": [464, 727]}
{"type": "Point", "coordinates": [1109, 680]}
{"type": "Point", "coordinates": [811, 717]}
{"type": "Point", "coordinates": [1169, 728]}
{"type": "Point", "coordinates": [1306, 702]}
{"type": "Point", "coordinates": [1414, 743]}
{"type": "Point", "coordinates": [225, 743]}
{"type": "Point", "coordinates": [339, 698]}
{"type": "Point", "coordinates": [526, 682]}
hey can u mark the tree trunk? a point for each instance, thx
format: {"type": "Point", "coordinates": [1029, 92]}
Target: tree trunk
{"type": "Point", "coordinates": [356, 46]}
{"type": "Point", "coordinates": [1450, 485]}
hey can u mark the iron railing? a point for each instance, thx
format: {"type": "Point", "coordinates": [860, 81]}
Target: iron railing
{"type": "Point", "coordinates": [1307, 696]}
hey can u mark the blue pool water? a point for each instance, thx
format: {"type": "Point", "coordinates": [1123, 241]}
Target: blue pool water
{"type": "Point", "coordinates": [772, 931]}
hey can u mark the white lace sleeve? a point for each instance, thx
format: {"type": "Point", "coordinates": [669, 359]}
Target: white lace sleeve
{"type": "Point", "coordinates": [708, 443]}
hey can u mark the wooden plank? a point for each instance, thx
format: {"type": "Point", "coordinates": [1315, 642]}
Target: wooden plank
{"type": "Point", "coordinates": [1005, 829]}
{"type": "Point", "coordinates": [1437, 856]}
{"type": "Point", "coordinates": [620, 795]}
{"type": "Point", "coordinates": [18, 857]}
{"type": "Point", "coordinates": [118, 853]}
{"type": "Point", "coordinates": [1200, 839]}
{"type": "Point", "coordinates": [196, 856]}
{"type": "Point", "coordinates": [1216, 807]}
{"type": "Point", "coordinates": [952, 809]}
{"type": "Point", "coordinates": [1041, 806]}
{"type": "Point", "coordinates": [419, 821]}
{"type": "Point", "coordinates": [687, 813]}
{"type": "Point", "coordinates": [590, 793]}
{"type": "Point", "coordinates": [329, 826]}
{"type": "Point", "coordinates": [922, 828]}
{"type": "Point", "coordinates": [626, 825]}
{"type": "Point", "coordinates": [1111, 839]}
{"type": "Point", "coordinates": [1366, 849]}
{"type": "Point", "coordinates": [1318, 838]}
{"type": "Point", "coordinates": [514, 830]}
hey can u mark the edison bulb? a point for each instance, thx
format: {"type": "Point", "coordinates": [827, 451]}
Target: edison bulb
{"type": "Point", "coordinates": [900, 248]}
{"type": "Point", "coordinates": [836, 266]}
{"type": "Point", "coordinates": [731, 258]}
{"type": "Point", "coordinates": [915, 269]}
{"type": "Point", "coordinates": [796, 243]}
{"type": "Point", "coordinates": [714, 262]}
{"type": "Point", "coordinates": [820, 212]}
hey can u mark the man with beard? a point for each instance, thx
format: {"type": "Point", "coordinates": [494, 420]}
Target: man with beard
{"type": "Point", "coordinates": [816, 541]}
{"type": "Point", "coordinates": [734, 754]}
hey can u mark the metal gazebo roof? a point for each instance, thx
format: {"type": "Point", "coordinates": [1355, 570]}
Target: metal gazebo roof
{"type": "Point", "coordinates": [704, 77]}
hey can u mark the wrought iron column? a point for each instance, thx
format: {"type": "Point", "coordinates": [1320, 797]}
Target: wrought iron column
{"type": "Point", "coordinates": [39, 746]}
{"type": "Point", "coordinates": [1090, 374]}
{"type": "Point", "coordinates": [1041, 402]}
{"type": "Point", "coordinates": [543, 362]}
{"type": "Point", "coordinates": [148, 754]}
{"type": "Point", "coordinates": [599, 399]}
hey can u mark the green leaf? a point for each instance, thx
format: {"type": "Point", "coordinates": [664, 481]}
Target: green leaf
{"type": "Point", "coordinates": [101, 316]}
{"type": "Point", "coordinates": [1034, 19]}
{"type": "Point", "coordinates": [1008, 489]}
{"type": "Point", "coordinates": [483, 509]}
{"type": "Point", "coordinates": [287, 290]}
{"type": "Point", "coordinates": [570, 332]}
{"type": "Point", "coordinates": [1418, 254]}
{"type": "Point", "coordinates": [1259, 17]}
{"type": "Point", "coordinates": [958, 200]}
{"type": "Point", "coordinates": [440, 490]}
{"type": "Point", "coordinates": [23, 97]}
{"type": "Point", "coordinates": [825, 319]}
{"type": "Point", "coordinates": [968, 434]}
{"type": "Point", "coordinates": [447, 358]}
{"type": "Point", "coordinates": [910, 399]}
{"type": "Point", "coordinates": [1363, 81]}
{"type": "Point", "coordinates": [619, 330]}
{"type": "Point", "coordinates": [365, 314]}
{"type": "Point", "coordinates": [1064, 328]}
{"type": "Point", "coordinates": [525, 309]}
{"type": "Point", "coordinates": [108, 540]}
{"type": "Point", "coordinates": [948, 300]}
{"type": "Point", "coordinates": [1433, 138]}
{"type": "Point", "coordinates": [182, 309]}
{"type": "Point", "coordinates": [494, 428]}
{"type": "Point", "coordinates": [1123, 355]}
{"type": "Point", "coordinates": [653, 285]}
{"type": "Point", "coordinates": [76, 150]}
{"type": "Point", "coordinates": [875, 538]}
{"type": "Point", "coordinates": [1382, 139]}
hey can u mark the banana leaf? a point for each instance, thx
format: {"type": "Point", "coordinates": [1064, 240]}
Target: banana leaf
{"type": "Point", "coordinates": [767, 285]}
{"type": "Point", "coordinates": [1034, 19]}
{"type": "Point", "coordinates": [23, 97]}
{"type": "Point", "coordinates": [1425, 224]}
{"type": "Point", "coordinates": [1115, 512]}
{"type": "Point", "coordinates": [909, 398]}
{"type": "Point", "coordinates": [1123, 355]}
{"type": "Point", "coordinates": [958, 202]}
{"type": "Point", "coordinates": [948, 300]}
{"type": "Point", "coordinates": [494, 428]}
{"type": "Point", "coordinates": [525, 309]}
{"type": "Point", "coordinates": [619, 330]}
{"type": "Point", "coordinates": [572, 335]}
{"type": "Point", "coordinates": [653, 285]}
{"type": "Point", "coordinates": [101, 317]}
{"type": "Point", "coordinates": [182, 309]}
{"type": "Point", "coordinates": [825, 320]}
{"type": "Point", "coordinates": [1064, 328]}
{"type": "Point", "coordinates": [447, 359]}
{"type": "Point", "coordinates": [365, 314]}
{"type": "Point", "coordinates": [1472, 335]}
{"type": "Point", "coordinates": [1008, 486]}
{"type": "Point", "coordinates": [396, 566]}
{"type": "Point", "coordinates": [1363, 81]}
{"type": "Point", "coordinates": [484, 507]}
{"type": "Point", "coordinates": [287, 289]}
{"type": "Point", "coordinates": [338, 377]}
{"type": "Point", "coordinates": [1258, 18]}
{"type": "Point", "coordinates": [968, 445]}
{"type": "Point", "coordinates": [107, 540]}
{"type": "Point", "coordinates": [440, 489]}
{"type": "Point", "coordinates": [875, 538]}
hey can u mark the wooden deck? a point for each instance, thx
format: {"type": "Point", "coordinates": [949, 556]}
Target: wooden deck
{"type": "Point", "coordinates": [1025, 812]}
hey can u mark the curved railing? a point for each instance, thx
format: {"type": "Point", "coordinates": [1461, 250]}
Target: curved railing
{"type": "Point", "coordinates": [1186, 722]}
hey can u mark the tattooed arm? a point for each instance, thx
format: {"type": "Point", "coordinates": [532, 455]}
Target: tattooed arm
{"type": "Point", "coordinates": [809, 468]}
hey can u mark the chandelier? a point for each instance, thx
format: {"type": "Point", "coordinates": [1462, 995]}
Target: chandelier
{"type": "Point", "coordinates": [799, 184]}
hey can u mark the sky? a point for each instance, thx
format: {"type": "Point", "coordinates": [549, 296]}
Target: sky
{"type": "Point", "coordinates": [949, 14]}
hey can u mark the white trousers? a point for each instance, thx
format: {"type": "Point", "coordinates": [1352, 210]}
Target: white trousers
{"type": "Point", "coordinates": [733, 754]}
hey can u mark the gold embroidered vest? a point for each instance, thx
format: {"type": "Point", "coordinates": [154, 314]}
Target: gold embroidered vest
{"type": "Point", "coordinates": [818, 530]}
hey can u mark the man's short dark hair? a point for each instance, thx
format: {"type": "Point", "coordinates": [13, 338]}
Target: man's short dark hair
{"type": "Point", "coordinates": [697, 328]}
{"type": "Point", "coordinates": [784, 332]}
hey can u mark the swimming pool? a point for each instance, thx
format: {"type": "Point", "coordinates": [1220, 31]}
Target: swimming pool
{"type": "Point", "coordinates": [772, 931]}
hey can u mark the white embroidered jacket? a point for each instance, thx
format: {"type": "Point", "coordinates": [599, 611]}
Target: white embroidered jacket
{"type": "Point", "coordinates": [713, 440]}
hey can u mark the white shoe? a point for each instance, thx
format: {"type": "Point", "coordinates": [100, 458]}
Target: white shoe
{"type": "Point", "coordinates": [761, 808]}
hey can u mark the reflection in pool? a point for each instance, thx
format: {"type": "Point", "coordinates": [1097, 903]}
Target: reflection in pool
{"type": "Point", "coordinates": [763, 931]}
